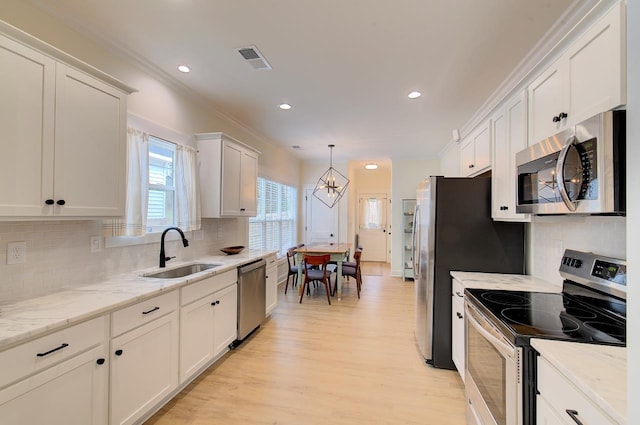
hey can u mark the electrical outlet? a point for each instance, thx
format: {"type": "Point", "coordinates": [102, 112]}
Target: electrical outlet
{"type": "Point", "coordinates": [96, 243]}
{"type": "Point", "coordinates": [16, 252]}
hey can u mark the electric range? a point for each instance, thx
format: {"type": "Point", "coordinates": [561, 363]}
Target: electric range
{"type": "Point", "coordinates": [500, 324]}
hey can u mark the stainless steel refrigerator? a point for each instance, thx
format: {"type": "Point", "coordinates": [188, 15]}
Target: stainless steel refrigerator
{"type": "Point", "coordinates": [453, 230]}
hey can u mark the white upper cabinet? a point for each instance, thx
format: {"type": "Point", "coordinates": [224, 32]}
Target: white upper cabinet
{"type": "Point", "coordinates": [509, 136]}
{"type": "Point", "coordinates": [63, 139]}
{"type": "Point", "coordinates": [589, 77]}
{"type": "Point", "coordinates": [228, 176]}
{"type": "Point", "coordinates": [475, 152]}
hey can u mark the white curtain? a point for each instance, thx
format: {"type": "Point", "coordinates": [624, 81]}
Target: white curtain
{"type": "Point", "coordinates": [134, 222]}
{"type": "Point", "coordinates": [187, 189]}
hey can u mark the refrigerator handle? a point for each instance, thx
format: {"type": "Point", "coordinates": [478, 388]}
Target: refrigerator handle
{"type": "Point", "coordinates": [415, 249]}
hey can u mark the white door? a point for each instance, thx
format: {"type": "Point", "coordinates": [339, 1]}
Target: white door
{"type": "Point", "coordinates": [321, 222]}
{"type": "Point", "coordinates": [372, 226]}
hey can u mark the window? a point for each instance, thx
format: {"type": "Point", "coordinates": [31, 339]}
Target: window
{"type": "Point", "coordinates": [274, 227]}
{"type": "Point", "coordinates": [162, 192]}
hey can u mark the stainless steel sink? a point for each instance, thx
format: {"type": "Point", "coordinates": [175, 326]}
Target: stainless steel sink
{"type": "Point", "coordinates": [181, 271]}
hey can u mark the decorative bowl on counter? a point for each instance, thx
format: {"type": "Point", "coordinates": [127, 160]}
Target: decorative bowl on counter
{"type": "Point", "coordinates": [231, 250]}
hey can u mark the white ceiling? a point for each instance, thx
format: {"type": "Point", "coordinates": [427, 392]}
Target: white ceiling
{"type": "Point", "coordinates": [346, 66]}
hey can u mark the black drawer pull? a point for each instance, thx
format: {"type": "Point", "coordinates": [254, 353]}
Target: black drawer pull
{"type": "Point", "coordinates": [573, 414]}
{"type": "Point", "coordinates": [63, 345]}
{"type": "Point", "coordinates": [458, 294]}
{"type": "Point", "coordinates": [61, 202]}
{"type": "Point", "coordinates": [49, 202]}
{"type": "Point", "coordinates": [460, 316]}
{"type": "Point", "coordinates": [151, 311]}
{"type": "Point", "coordinates": [118, 352]}
{"type": "Point", "coordinates": [100, 361]}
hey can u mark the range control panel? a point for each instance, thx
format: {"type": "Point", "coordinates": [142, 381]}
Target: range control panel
{"type": "Point", "coordinates": [602, 273]}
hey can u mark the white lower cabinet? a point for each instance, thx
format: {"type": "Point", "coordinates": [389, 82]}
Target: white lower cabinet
{"type": "Point", "coordinates": [208, 322]}
{"type": "Point", "coordinates": [59, 379]}
{"type": "Point", "coordinates": [560, 402]}
{"type": "Point", "coordinates": [458, 337]}
{"type": "Point", "coordinates": [272, 284]}
{"type": "Point", "coordinates": [144, 359]}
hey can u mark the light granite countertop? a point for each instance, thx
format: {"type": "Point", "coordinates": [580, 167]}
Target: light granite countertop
{"type": "Point", "coordinates": [600, 371]}
{"type": "Point", "coordinates": [25, 319]}
{"type": "Point", "coordinates": [510, 282]}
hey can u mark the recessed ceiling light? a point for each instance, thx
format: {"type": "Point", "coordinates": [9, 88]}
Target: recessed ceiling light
{"type": "Point", "coordinates": [285, 106]}
{"type": "Point", "coordinates": [371, 166]}
{"type": "Point", "coordinates": [184, 68]}
{"type": "Point", "coordinates": [414, 95]}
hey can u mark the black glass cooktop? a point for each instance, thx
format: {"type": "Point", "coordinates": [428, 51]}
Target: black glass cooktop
{"type": "Point", "coordinates": [523, 315]}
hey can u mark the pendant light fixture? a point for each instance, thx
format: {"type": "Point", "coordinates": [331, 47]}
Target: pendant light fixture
{"type": "Point", "coordinates": [331, 185]}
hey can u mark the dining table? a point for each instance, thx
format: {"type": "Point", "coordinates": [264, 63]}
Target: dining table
{"type": "Point", "coordinates": [339, 252]}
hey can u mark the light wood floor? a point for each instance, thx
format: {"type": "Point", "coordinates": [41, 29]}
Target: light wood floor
{"type": "Point", "coordinates": [354, 362]}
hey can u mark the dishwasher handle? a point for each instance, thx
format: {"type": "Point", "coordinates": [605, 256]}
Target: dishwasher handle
{"type": "Point", "coordinates": [247, 268]}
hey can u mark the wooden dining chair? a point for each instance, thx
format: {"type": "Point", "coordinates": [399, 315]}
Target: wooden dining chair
{"type": "Point", "coordinates": [320, 274]}
{"type": "Point", "coordinates": [349, 271]}
{"type": "Point", "coordinates": [293, 269]}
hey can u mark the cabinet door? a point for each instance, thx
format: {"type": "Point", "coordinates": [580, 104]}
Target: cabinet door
{"type": "Point", "coordinates": [272, 285]}
{"type": "Point", "coordinates": [596, 68]}
{"type": "Point", "coordinates": [500, 167]}
{"type": "Point", "coordinates": [27, 90]}
{"type": "Point", "coordinates": [458, 337]}
{"type": "Point", "coordinates": [545, 414]}
{"type": "Point", "coordinates": [72, 392]}
{"type": "Point", "coordinates": [231, 193]}
{"type": "Point", "coordinates": [547, 95]}
{"type": "Point", "coordinates": [249, 184]}
{"type": "Point", "coordinates": [226, 318]}
{"type": "Point", "coordinates": [509, 136]}
{"type": "Point", "coordinates": [196, 336]}
{"type": "Point", "coordinates": [467, 155]}
{"type": "Point", "coordinates": [482, 148]}
{"type": "Point", "coordinates": [89, 146]}
{"type": "Point", "coordinates": [144, 368]}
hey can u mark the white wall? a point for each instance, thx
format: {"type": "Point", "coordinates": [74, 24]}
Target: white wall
{"type": "Point", "coordinates": [58, 252]}
{"type": "Point", "coordinates": [633, 210]}
{"type": "Point", "coordinates": [405, 175]}
{"type": "Point", "coordinates": [549, 236]}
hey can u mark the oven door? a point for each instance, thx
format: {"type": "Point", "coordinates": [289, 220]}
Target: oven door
{"type": "Point", "coordinates": [493, 376]}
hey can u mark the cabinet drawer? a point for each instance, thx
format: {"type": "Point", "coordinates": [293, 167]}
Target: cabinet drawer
{"type": "Point", "coordinates": [205, 287]}
{"type": "Point", "coordinates": [561, 395]}
{"type": "Point", "coordinates": [143, 312]}
{"type": "Point", "coordinates": [33, 356]}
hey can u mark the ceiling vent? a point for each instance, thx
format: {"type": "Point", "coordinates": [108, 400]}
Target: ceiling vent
{"type": "Point", "coordinates": [253, 56]}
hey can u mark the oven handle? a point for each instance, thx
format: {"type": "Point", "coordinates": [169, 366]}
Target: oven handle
{"type": "Point", "coordinates": [560, 174]}
{"type": "Point", "coordinates": [489, 332]}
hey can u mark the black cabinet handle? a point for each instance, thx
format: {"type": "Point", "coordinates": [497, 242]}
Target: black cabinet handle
{"type": "Point", "coordinates": [573, 414]}
{"type": "Point", "coordinates": [118, 352]}
{"type": "Point", "coordinates": [49, 202]}
{"type": "Point", "coordinates": [556, 118]}
{"type": "Point", "coordinates": [471, 165]}
{"type": "Point", "coordinates": [241, 209]}
{"type": "Point", "coordinates": [100, 361]}
{"type": "Point", "coordinates": [151, 311]}
{"type": "Point", "coordinates": [459, 315]}
{"type": "Point", "coordinates": [46, 353]}
{"type": "Point", "coordinates": [61, 202]}
{"type": "Point", "coordinates": [562, 115]}
{"type": "Point", "coordinates": [458, 294]}
{"type": "Point", "coordinates": [215, 302]}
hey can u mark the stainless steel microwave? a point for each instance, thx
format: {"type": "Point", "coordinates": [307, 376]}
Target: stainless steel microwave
{"type": "Point", "coordinates": [578, 171]}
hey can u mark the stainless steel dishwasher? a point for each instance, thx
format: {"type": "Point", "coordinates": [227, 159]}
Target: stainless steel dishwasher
{"type": "Point", "coordinates": [251, 298]}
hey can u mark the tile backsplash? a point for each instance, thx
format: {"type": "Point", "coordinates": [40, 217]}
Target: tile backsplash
{"type": "Point", "coordinates": [58, 254]}
{"type": "Point", "coordinates": [550, 236]}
